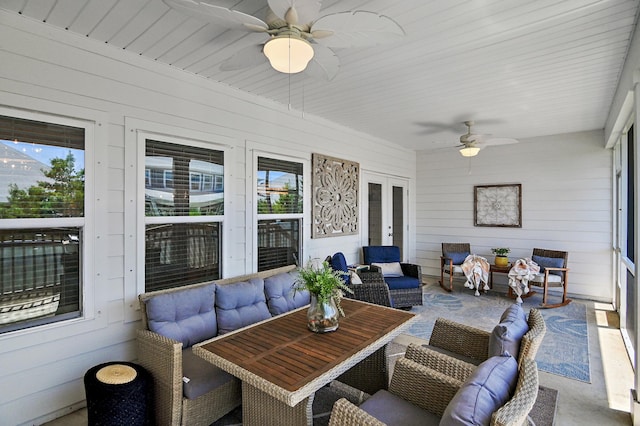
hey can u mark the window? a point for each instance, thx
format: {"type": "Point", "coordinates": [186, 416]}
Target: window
{"type": "Point", "coordinates": [42, 208]}
{"type": "Point", "coordinates": [183, 218]}
{"type": "Point", "coordinates": [279, 208]}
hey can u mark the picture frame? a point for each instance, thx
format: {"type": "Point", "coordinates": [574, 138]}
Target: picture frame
{"type": "Point", "coordinates": [335, 208]}
{"type": "Point", "coordinates": [498, 205]}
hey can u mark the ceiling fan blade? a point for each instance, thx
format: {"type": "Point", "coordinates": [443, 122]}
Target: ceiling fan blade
{"type": "Point", "coordinates": [324, 65]}
{"type": "Point", "coordinates": [217, 15]}
{"type": "Point", "coordinates": [306, 10]}
{"type": "Point", "coordinates": [498, 141]}
{"type": "Point", "coordinates": [249, 56]}
{"type": "Point", "coordinates": [357, 29]}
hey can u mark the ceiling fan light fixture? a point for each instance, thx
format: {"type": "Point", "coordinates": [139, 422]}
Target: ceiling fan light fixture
{"type": "Point", "coordinates": [288, 53]}
{"type": "Point", "coordinates": [469, 151]}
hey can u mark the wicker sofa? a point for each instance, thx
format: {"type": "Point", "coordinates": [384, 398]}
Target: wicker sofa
{"type": "Point", "coordinates": [498, 393]}
{"type": "Point", "coordinates": [187, 389]}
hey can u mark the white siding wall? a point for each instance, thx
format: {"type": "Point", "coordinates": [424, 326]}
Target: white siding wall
{"type": "Point", "coordinates": [58, 73]}
{"type": "Point", "coordinates": [566, 205]}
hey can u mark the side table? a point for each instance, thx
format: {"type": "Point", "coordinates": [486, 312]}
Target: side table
{"type": "Point", "coordinates": [498, 269]}
{"type": "Point", "coordinates": [119, 393]}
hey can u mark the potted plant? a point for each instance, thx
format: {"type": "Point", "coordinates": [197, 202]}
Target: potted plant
{"type": "Point", "coordinates": [326, 288]}
{"type": "Point", "coordinates": [501, 256]}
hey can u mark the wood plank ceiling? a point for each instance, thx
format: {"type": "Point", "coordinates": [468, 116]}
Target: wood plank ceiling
{"type": "Point", "coordinates": [520, 68]}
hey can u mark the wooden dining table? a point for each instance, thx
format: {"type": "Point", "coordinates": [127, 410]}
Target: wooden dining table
{"type": "Point", "coordinates": [282, 364]}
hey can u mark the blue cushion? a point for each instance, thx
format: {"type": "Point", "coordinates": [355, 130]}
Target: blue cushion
{"type": "Point", "coordinates": [396, 283]}
{"type": "Point", "coordinates": [487, 389]}
{"type": "Point", "coordinates": [506, 336]}
{"type": "Point", "coordinates": [458, 258]}
{"type": "Point", "coordinates": [240, 304]}
{"type": "Point", "coordinates": [279, 293]}
{"type": "Point", "coordinates": [200, 376]}
{"type": "Point", "coordinates": [381, 254]}
{"type": "Point", "coordinates": [339, 263]}
{"type": "Point", "coordinates": [550, 262]}
{"type": "Point", "coordinates": [393, 410]}
{"type": "Point", "coordinates": [187, 315]}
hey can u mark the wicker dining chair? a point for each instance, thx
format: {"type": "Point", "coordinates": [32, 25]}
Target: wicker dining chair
{"type": "Point", "coordinates": [453, 256]}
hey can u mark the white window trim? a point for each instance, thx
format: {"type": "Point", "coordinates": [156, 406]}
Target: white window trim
{"type": "Point", "coordinates": [136, 133]}
{"type": "Point", "coordinates": [253, 217]}
{"type": "Point", "coordinates": [95, 212]}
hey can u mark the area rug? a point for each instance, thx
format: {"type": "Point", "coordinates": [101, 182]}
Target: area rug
{"type": "Point", "coordinates": [565, 347]}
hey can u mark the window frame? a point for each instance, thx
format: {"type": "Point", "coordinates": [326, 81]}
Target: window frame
{"type": "Point", "coordinates": [87, 310]}
{"type": "Point", "coordinates": [138, 132]}
{"type": "Point", "coordinates": [254, 217]}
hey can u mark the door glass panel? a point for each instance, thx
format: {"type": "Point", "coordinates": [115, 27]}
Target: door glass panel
{"type": "Point", "coordinates": [398, 215]}
{"type": "Point", "coordinates": [375, 214]}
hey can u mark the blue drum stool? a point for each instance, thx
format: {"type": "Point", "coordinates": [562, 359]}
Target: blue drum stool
{"type": "Point", "coordinates": [119, 394]}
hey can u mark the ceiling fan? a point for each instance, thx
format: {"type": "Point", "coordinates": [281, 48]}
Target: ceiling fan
{"type": "Point", "coordinates": [294, 35]}
{"type": "Point", "coordinates": [471, 143]}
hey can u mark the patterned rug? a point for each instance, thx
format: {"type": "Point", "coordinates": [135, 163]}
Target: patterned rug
{"type": "Point", "coordinates": [564, 350]}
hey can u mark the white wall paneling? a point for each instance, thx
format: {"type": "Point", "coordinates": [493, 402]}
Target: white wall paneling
{"type": "Point", "coordinates": [566, 204]}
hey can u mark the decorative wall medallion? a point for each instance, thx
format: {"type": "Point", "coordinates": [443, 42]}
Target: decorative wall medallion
{"type": "Point", "coordinates": [498, 205]}
{"type": "Point", "coordinates": [335, 196]}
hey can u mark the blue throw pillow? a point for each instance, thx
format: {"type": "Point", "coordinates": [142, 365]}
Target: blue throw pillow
{"type": "Point", "coordinates": [487, 389]}
{"type": "Point", "coordinates": [240, 304]}
{"type": "Point", "coordinates": [187, 316]}
{"type": "Point", "coordinates": [458, 258]}
{"type": "Point", "coordinates": [507, 335]}
{"type": "Point", "coordinates": [549, 262]}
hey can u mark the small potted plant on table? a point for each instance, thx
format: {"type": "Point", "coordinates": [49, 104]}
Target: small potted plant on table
{"type": "Point", "coordinates": [326, 288]}
{"type": "Point", "coordinates": [501, 256]}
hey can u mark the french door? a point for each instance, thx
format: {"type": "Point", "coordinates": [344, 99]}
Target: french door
{"type": "Point", "coordinates": [384, 217]}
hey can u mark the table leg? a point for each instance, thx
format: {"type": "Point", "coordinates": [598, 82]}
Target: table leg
{"type": "Point", "coordinates": [262, 409]}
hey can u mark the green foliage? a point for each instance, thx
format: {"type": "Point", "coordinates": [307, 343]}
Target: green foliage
{"type": "Point", "coordinates": [500, 251]}
{"type": "Point", "coordinates": [323, 282]}
{"type": "Point", "coordinates": [63, 196]}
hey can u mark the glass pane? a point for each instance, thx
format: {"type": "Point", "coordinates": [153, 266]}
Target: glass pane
{"type": "Point", "coordinates": [398, 215]}
{"type": "Point", "coordinates": [278, 243]}
{"type": "Point", "coordinates": [39, 276]}
{"type": "Point", "coordinates": [183, 181]}
{"type": "Point", "coordinates": [181, 254]}
{"type": "Point", "coordinates": [375, 214]}
{"type": "Point", "coordinates": [41, 169]}
{"type": "Point", "coordinates": [279, 186]}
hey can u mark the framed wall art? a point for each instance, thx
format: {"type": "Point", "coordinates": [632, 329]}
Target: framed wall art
{"type": "Point", "coordinates": [335, 196]}
{"type": "Point", "coordinates": [498, 205]}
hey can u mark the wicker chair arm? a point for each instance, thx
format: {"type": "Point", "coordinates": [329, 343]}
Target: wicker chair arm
{"type": "Point", "coordinates": [162, 357]}
{"type": "Point", "coordinates": [461, 339]}
{"type": "Point", "coordinates": [345, 413]}
{"type": "Point", "coordinates": [371, 277]}
{"type": "Point", "coordinates": [442, 363]}
{"type": "Point", "coordinates": [423, 386]}
{"type": "Point", "coordinates": [532, 339]}
{"type": "Point", "coordinates": [377, 293]}
{"type": "Point", "coordinates": [412, 270]}
{"type": "Point", "coordinates": [516, 410]}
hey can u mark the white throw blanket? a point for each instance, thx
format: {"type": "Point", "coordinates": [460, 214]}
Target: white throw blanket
{"type": "Point", "coordinates": [523, 271]}
{"type": "Point", "coordinates": [476, 269]}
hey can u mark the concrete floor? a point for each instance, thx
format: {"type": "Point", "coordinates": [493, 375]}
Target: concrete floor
{"type": "Point", "coordinates": [605, 401]}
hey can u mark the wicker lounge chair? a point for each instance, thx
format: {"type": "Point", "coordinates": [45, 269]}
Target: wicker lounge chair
{"type": "Point", "coordinates": [423, 394]}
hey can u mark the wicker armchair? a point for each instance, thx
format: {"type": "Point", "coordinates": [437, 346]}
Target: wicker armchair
{"type": "Point", "coordinates": [422, 387]}
{"type": "Point", "coordinates": [469, 346]}
{"type": "Point", "coordinates": [373, 288]}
